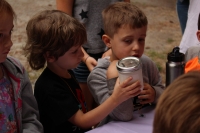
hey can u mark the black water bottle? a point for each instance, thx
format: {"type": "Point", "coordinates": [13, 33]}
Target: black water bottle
{"type": "Point", "coordinates": [175, 65]}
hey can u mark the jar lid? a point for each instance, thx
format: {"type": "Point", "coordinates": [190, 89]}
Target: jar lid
{"type": "Point", "coordinates": [128, 64]}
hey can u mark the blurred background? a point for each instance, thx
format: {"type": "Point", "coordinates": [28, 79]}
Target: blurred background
{"type": "Point", "coordinates": [163, 34]}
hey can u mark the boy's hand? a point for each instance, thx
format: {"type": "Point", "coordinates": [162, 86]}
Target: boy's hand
{"type": "Point", "coordinates": [147, 95]}
{"type": "Point", "coordinates": [123, 91]}
{"type": "Point", "coordinates": [91, 63]}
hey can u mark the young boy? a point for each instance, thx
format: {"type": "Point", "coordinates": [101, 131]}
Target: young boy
{"type": "Point", "coordinates": [18, 107]}
{"type": "Point", "coordinates": [88, 12]}
{"type": "Point", "coordinates": [125, 28]}
{"type": "Point", "coordinates": [177, 110]}
{"type": "Point", "coordinates": [55, 39]}
{"type": "Point", "coordinates": [192, 55]}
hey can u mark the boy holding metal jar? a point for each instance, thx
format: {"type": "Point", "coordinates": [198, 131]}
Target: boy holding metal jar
{"type": "Point", "coordinates": [125, 28]}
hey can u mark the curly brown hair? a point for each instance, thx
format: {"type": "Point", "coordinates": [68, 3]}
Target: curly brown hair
{"type": "Point", "coordinates": [54, 32]}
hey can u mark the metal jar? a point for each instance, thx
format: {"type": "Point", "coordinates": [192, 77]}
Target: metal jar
{"type": "Point", "coordinates": [130, 67]}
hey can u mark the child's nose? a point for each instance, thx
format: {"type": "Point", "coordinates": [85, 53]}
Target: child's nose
{"type": "Point", "coordinates": [136, 46]}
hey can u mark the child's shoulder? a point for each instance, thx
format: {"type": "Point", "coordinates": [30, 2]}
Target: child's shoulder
{"type": "Point", "coordinates": [112, 70]}
{"type": "Point", "coordinates": [145, 59]}
{"type": "Point", "coordinates": [147, 62]}
{"type": "Point", "coordinates": [193, 49]}
{"type": "Point", "coordinates": [192, 52]}
{"type": "Point", "coordinates": [12, 63]}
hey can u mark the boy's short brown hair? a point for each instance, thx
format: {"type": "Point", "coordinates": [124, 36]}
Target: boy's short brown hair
{"type": "Point", "coordinates": [5, 7]}
{"type": "Point", "coordinates": [122, 13]}
{"type": "Point", "coordinates": [178, 108]}
{"type": "Point", "coordinates": [53, 32]}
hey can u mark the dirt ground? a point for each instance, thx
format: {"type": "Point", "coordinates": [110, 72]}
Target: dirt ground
{"type": "Point", "coordinates": [163, 30]}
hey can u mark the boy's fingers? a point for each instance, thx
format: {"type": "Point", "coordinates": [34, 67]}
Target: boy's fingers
{"type": "Point", "coordinates": [145, 102]}
{"type": "Point", "coordinates": [135, 91]}
{"type": "Point", "coordinates": [143, 96]}
{"type": "Point", "coordinates": [124, 84]}
{"type": "Point", "coordinates": [143, 92]}
{"type": "Point", "coordinates": [134, 85]}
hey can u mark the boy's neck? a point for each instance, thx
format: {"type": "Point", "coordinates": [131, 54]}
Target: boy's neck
{"type": "Point", "coordinates": [112, 58]}
{"type": "Point", "coordinates": [60, 72]}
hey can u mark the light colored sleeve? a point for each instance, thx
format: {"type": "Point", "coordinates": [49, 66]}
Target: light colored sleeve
{"type": "Point", "coordinates": [101, 90]}
{"type": "Point", "coordinates": [97, 83]}
{"type": "Point", "coordinates": [151, 75]}
{"type": "Point", "coordinates": [189, 37]}
{"type": "Point", "coordinates": [124, 111]}
{"type": "Point", "coordinates": [192, 52]}
{"type": "Point", "coordinates": [30, 113]}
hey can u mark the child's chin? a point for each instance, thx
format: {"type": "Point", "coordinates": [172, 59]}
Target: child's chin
{"type": "Point", "coordinates": [2, 59]}
{"type": "Point", "coordinates": [75, 66]}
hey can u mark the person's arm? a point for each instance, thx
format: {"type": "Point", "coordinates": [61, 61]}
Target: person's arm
{"type": "Point", "coordinates": [124, 111]}
{"type": "Point", "coordinates": [121, 93]}
{"type": "Point", "coordinates": [30, 113]}
{"type": "Point", "coordinates": [152, 78]}
{"type": "Point", "coordinates": [101, 88]}
{"type": "Point", "coordinates": [112, 70]}
{"type": "Point", "coordinates": [88, 60]}
{"type": "Point", "coordinates": [97, 81]}
{"type": "Point", "coordinates": [191, 53]}
{"type": "Point", "coordinates": [147, 95]}
{"type": "Point", "coordinates": [65, 6]}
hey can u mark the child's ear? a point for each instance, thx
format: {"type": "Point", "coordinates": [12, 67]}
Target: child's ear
{"type": "Point", "coordinates": [198, 35]}
{"type": "Point", "coordinates": [48, 57]}
{"type": "Point", "coordinates": [106, 39]}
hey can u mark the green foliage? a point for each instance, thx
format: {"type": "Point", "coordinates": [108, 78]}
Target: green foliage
{"type": "Point", "coordinates": [155, 55]}
{"type": "Point", "coordinates": [158, 57]}
{"type": "Point", "coordinates": [170, 40]}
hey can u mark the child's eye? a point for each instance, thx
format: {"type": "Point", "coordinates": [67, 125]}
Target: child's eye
{"type": "Point", "coordinates": [141, 40]}
{"type": "Point", "coordinates": [128, 41]}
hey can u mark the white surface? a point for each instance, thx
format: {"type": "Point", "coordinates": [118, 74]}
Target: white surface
{"type": "Point", "coordinates": [137, 75]}
{"type": "Point", "coordinates": [189, 37]}
{"type": "Point", "coordinates": [137, 125]}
